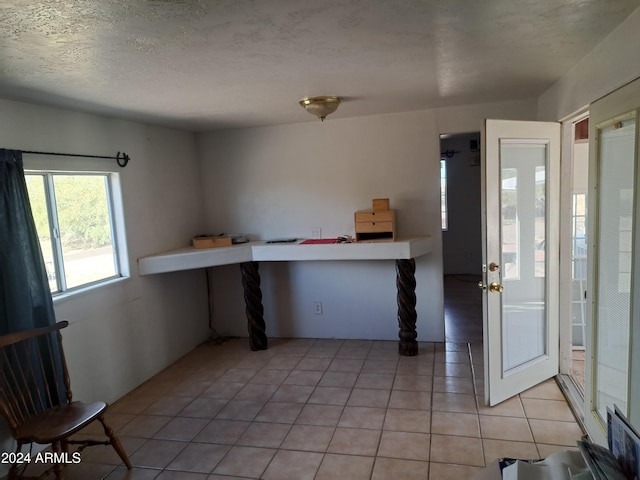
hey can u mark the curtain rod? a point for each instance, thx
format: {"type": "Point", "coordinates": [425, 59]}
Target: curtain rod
{"type": "Point", "coordinates": [120, 160]}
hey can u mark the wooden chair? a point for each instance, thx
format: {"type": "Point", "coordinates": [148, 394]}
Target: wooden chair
{"type": "Point", "coordinates": [35, 397]}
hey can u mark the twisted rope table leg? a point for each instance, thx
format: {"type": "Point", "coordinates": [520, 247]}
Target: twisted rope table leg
{"type": "Point", "coordinates": [253, 302]}
{"type": "Point", "coordinates": [406, 283]}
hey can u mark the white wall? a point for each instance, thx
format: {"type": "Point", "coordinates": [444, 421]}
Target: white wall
{"type": "Point", "coordinates": [285, 180]}
{"type": "Point", "coordinates": [613, 63]}
{"type": "Point", "coordinates": [121, 334]}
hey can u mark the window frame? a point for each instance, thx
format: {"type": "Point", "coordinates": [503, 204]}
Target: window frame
{"type": "Point", "coordinates": [116, 223]}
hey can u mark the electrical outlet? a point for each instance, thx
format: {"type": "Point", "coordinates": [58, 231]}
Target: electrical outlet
{"type": "Point", "coordinates": [317, 308]}
{"type": "Point", "coordinates": [316, 232]}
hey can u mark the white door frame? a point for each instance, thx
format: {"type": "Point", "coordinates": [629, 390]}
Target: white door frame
{"type": "Point", "coordinates": [566, 247]}
{"type": "Point", "coordinates": [573, 393]}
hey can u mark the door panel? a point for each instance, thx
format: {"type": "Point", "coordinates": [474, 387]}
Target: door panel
{"type": "Point", "coordinates": [613, 360]}
{"type": "Point", "coordinates": [521, 198]}
{"type": "Point", "coordinates": [614, 261]}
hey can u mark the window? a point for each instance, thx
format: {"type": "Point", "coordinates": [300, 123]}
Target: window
{"type": "Point", "coordinates": [443, 193]}
{"type": "Point", "coordinates": [73, 213]}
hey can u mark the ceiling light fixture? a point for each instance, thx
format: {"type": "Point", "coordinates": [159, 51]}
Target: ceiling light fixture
{"type": "Point", "coordinates": [320, 106]}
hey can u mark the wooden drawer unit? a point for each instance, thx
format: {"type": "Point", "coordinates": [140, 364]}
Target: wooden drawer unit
{"type": "Point", "coordinates": [375, 225]}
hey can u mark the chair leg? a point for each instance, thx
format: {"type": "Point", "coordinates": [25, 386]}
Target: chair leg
{"type": "Point", "coordinates": [57, 467]}
{"type": "Point", "coordinates": [115, 443]}
{"type": "Point", "coordinates": [13, 471]}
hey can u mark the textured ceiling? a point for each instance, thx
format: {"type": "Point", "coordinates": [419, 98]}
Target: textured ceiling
{"type": "Point", "coordinates": [203, 65]}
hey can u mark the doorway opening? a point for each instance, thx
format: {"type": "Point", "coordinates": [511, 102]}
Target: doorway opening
{"type": "Point", "coordinates": [580, 180]}
{"type": "Point", "coordinates": [461, 193]}
{"type": "Point", "coordinates": [461, 236]}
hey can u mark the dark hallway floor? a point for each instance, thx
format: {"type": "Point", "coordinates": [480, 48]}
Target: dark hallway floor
{"type": "Point", "coordinates": [463, 309]}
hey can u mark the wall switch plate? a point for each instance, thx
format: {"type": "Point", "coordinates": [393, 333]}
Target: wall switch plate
{"type": "Point", "coordinates": [316, 232]}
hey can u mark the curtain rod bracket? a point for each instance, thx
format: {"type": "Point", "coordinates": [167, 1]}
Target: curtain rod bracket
{"type": "Point", "coordinates": [125, 159]}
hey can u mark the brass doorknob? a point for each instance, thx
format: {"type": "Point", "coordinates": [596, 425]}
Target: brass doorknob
{"type": "Point", "coordinates": [482, 286]}
{"type": "Point", "coordinates": [496, 287]}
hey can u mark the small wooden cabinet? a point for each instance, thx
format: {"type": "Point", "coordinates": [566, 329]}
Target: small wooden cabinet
{"type": "Point", "coordinates": [375, 225]}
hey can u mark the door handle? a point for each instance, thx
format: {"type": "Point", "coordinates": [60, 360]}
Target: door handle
{"type": "Point", "coordinates": [493, 287]}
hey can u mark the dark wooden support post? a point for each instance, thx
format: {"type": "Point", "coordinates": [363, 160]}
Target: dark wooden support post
{"type": "Point", "coordinates": [406, 283]}
{"type": "Point", "coordinates": [253, 301]}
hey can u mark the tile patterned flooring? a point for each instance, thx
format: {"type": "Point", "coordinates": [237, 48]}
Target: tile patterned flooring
{"type": "Point", "coordinates": [324, 409]}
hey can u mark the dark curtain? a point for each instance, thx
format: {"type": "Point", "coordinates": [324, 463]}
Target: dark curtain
{"type": "Point", "coordinates": [25, 298]}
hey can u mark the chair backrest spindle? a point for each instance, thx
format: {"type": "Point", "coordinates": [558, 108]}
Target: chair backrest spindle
{"type": "Point", "coordinates": [47, 368]}
{"type": "Point", "coordinates": [66, 379]}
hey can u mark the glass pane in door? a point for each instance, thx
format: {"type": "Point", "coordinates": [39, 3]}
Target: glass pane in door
{"type": "Point", "coordinates": [523, 240]}
{"type": "Point", "coordinates": [614, 263]}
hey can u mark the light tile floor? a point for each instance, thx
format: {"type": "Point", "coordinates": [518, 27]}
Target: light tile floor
{"type": "Point", "coordinates": [324, 409]}
{"type": "Point", "coordinates": [331, 409]}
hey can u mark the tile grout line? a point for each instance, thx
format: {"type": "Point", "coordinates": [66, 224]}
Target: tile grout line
{"type": "Point", "coordinates": [475, 396]}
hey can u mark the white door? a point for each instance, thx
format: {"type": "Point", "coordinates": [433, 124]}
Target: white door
{"type": "Point", "coordinates": [613, 344]}
{"type": "Point", "coordinates": [520, 248]}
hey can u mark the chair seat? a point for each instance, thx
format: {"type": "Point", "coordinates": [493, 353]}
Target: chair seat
{"type": "Point", "coordinates": [59, 422]}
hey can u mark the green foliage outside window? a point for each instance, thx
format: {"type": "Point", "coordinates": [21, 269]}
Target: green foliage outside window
{"type": "Point", "coordinates": [72, 213]}
{"type": "Point", "coordinates": [83, 213]}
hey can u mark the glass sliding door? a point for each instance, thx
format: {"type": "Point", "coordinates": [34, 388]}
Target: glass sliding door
{"type": "Point", "coordinates": [612, 374]}
{"type": "Point", "coordinates": [616, 152]}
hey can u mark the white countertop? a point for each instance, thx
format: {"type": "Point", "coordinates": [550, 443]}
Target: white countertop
{"type": "Point", "coordinates": [188, 258]}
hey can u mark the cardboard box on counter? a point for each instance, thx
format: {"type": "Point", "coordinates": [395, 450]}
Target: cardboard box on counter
{"type": "Point", "coordinates": [204, 241]}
